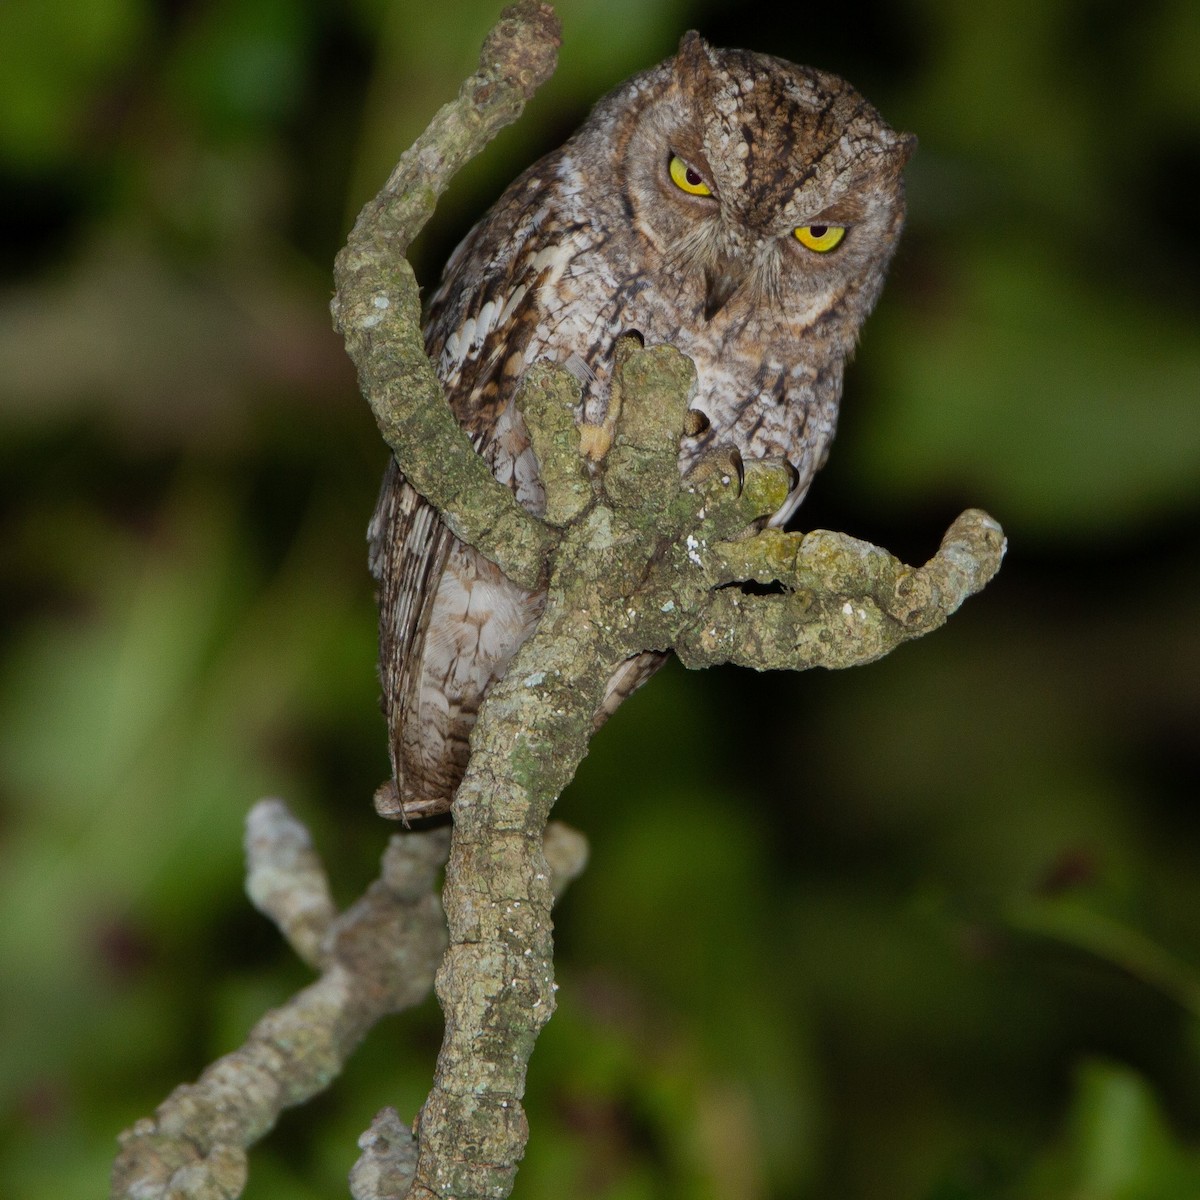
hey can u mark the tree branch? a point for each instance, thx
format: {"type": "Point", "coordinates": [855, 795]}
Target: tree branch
{"type": "Point", "coordinates": [641, 566]}
{"type": "Point", "coordinates": [377, 304]}
{"type": "Point", "coordinates": [845, 602]}
{"type": "Point", "coordinates": [377, 958]}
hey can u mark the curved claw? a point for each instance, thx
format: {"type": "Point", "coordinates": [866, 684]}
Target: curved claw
{"type": "Point", "coordinates": [793, 476]}
{"type": "Point", "coordinates": [695, 423]}
{"type": "Point", "coordinates": [739, 466]}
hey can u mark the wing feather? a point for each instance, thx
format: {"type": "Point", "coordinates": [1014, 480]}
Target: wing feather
{"type": "Point", "coordinates": [478, 326]}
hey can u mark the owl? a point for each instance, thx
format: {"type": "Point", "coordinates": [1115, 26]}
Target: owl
{"type": "Point", "coordinates": [728, 203]}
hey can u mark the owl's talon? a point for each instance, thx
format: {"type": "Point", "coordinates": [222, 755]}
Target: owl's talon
{"type": "Point", "coordinates": [695, 423]}
{"type": "Point", "coordinates": [793, 476]}
{"type": "Point", "coordinates": [735, 456]}
{"type": "Point", "coordinates": [635, 334]}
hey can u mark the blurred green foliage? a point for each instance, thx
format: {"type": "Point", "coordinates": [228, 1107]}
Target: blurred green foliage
{"type": "Point", "coordinates": [925, 930]}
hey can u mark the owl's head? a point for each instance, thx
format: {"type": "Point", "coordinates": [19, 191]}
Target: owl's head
{"type": "Point", "coordinates": [761, 183]}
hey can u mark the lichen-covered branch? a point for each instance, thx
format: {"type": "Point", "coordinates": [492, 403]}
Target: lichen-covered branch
{"type": "Point", "coordinates": [646, 563]}
{"type": "Point", "coordinates": [605, 602]}
{"type": "Point", "coordinates": [518, 56]}
{"type": "Point", "coordinates": [377, 303]}
{"type": "Point", "coordinates": [379, 957]}
{"type": "Point", "coordinates": [844, 603]}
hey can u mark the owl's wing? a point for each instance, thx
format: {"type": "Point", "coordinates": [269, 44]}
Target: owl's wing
{"type": "Point", "coordinates": [407, 548]}
{"type": "Point", "coordinates": [489, 304]}
{"type": "Point", "coordinates": [477, 330]}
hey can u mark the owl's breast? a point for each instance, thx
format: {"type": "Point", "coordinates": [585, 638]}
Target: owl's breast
{"type": "Point", "coordinates": [765, 387]}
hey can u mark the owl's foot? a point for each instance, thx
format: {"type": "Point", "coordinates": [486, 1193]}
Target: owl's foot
{"type": "Point", "coordinates": [725, 461]}
{"type": "Point", "coordinates": [595, 439]}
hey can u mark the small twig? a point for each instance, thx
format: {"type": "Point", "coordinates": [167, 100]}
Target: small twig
{"type": "Point", "coordinates": [286, 880]}
{"type": "Point", "coordinates": [379, 957]}
{"type": "Point", "coordinates": [566, 852]}
{"type": "Point", "coordinates": [388, 1161]}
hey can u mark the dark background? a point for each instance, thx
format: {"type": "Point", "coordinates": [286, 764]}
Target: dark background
{"type": "Point", "coordinates": [928, 929]}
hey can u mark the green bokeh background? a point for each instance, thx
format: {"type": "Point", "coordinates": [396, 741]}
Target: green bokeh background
{"type": "Point", "coordinates": [927, 930]}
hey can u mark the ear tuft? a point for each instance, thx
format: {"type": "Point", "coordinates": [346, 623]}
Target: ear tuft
{"type": "Point", "coordinates": [695, 58]}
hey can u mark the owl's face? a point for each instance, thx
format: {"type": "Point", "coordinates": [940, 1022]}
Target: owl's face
{"type": "Point", "coordinates": [763, 185]}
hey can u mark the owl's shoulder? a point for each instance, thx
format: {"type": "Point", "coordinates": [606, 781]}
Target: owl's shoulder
{"type": "Point", "coordinates": [489, 300]}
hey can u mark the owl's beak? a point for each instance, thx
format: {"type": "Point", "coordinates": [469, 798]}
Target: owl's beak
{"type": "Point", "coordinates": [719, 286]}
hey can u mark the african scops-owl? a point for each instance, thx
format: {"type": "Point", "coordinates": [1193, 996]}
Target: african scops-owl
{"type": "Point", "coordinates": [731, 204]}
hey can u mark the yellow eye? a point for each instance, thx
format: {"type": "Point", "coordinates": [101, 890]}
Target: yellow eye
{"type": "Point", "coordinates": [821, 238]}
{"type": "Point", "coordinates": [688, 178]}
